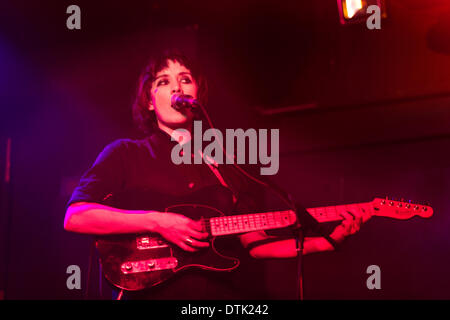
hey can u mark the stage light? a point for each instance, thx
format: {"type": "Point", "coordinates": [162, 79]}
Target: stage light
{"type": "Point", "coordinates": [350, 7]}
{"type": "Point", "coordinates": [355, 11]}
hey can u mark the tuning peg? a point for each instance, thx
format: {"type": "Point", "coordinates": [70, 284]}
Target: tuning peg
{"type": "Point", "coordinates": [408, 204]}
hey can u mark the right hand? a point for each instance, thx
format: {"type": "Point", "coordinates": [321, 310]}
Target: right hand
{"type": "Point", "coordinates": [182, 231]}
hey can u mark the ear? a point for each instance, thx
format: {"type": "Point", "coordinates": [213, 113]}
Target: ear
{"type": "Point", "coordinates": [149, 95]}
{"type": "Point", "coordinates": [150, 106]}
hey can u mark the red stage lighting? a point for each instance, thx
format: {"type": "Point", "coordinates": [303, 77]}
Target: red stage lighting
{"type": "Point", "coordinates": [355, 11]}
{"type": "Point", "coordinates": [351, 7]}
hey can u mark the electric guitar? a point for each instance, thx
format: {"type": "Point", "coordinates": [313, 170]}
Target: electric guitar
{"type": "Point", "coordinates": [135, 262]}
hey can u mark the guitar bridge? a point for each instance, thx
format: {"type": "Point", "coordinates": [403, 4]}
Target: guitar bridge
{"type": "Point", "coordinates": [148, 265]}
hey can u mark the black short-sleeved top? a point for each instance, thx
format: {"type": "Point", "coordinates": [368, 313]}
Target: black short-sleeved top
{"type": "Point", "coordinates": [129, 167]}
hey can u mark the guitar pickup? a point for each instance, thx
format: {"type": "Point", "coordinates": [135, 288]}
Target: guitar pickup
{"type": "Point", "coordinates": [146, 242]}
{"type": "Point", "coordinates": [148, 265]}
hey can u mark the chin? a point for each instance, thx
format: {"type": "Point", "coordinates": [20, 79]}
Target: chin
{"type": "Point", "coordinates": [182, 121]}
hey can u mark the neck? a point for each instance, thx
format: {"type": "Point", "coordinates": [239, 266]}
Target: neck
{"type": "Point", "coordinates": [181, 136]}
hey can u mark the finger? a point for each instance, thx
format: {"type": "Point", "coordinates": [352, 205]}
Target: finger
{"type": "Point", "coordinates": [196, 225]}
{"type": "Point", "coordinates": [358, 223]}
{"type": "Point", "coordinates": [351, 226]}
{"type": "Point", "coordinates": [366, 215]}
{"type": "Point", "coordinates": [351, 214]}
{"type": "Point", "coordinates": [355, 223]}
{"type": "Point", "coordinates": [198, 235]}
{"type": "Point", "coordinates": [195, 243]}
{"type": "Point", "coordinates": [185, 247]}
{"type": "Point", "coordinates": [346, 223]}
{"type": "Point", "coordinates": [346, 226]}
{"type": "Point", "coordinates": [346, 216]}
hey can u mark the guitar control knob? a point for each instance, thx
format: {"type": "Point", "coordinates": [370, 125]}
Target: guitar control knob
{"type": "Point", "coordinates": [416, 208]}
{"type": "Point", "coordinates": [151, 264]}
{"type": "Point", "coordinates": [408, 206]}
{"type": "Point", "coordinates": [391, 203]}
{"type": "Point", "coordinates": [128, 267]}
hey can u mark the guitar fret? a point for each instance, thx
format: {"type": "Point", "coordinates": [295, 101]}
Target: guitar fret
{"type": "Point", "coordinates": [245, 221]}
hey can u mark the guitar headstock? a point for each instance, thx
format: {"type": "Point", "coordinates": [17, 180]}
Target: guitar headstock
{"type": "Point", "coordinates": [400, 209]}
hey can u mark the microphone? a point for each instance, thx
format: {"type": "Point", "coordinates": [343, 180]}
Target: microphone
{"type": "Point", "coordinates": [183, 101]}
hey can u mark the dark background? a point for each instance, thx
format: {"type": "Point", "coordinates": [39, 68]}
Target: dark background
{"type": "Point", "coordinates": [362, 113]}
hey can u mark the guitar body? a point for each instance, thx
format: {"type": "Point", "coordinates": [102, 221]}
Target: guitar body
{"type": "Point", "coordinates": [135, 262]}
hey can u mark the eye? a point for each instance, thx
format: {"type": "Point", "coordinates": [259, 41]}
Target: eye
{"type": "Point", "coordinates": [186, 80]}
{"type": "Point", "coordinates": [162, 82]}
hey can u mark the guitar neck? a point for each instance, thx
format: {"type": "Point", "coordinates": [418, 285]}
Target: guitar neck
{"type": "Point", "coordinates": [228, 225]}
{"type": "Point", "coordinates": [333, 213]}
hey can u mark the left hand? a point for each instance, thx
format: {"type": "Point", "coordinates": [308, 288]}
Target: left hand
{"type": "Point", "coordinates": [353, 219]}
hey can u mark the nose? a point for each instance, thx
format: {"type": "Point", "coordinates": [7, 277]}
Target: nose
{"type": "Point", "coordinates": [176, 88]}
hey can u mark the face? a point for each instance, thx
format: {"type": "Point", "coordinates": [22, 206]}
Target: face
{"type": "Point", "coordinates": [176, 78]}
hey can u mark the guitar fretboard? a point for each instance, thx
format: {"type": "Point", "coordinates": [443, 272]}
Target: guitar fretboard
{"type": "Point", "coordinates": [228, 225]}
{"type": "Point", "coordinates": [251, 222]}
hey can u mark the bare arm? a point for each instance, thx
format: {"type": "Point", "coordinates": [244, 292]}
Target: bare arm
{"type": "Point", "coordinates": [93, 218]}
{"type": "Point", "coordinates": [97, 219]}
{"type": "Point", "coordinates": [283, 248]}
{"type": "Point", "coordinates": [288, 248]}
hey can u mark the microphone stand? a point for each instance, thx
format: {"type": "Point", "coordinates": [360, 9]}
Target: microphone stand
{"type": "Point", "coordinates": [303, 224]}
{"type": "Point", "coordinates": [299, 241]}
{"type": "Point", "coordinates": [304, 220]}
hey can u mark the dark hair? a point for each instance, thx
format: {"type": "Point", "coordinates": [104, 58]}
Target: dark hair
{"type": "Point", "coordinates": [146, 119]}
